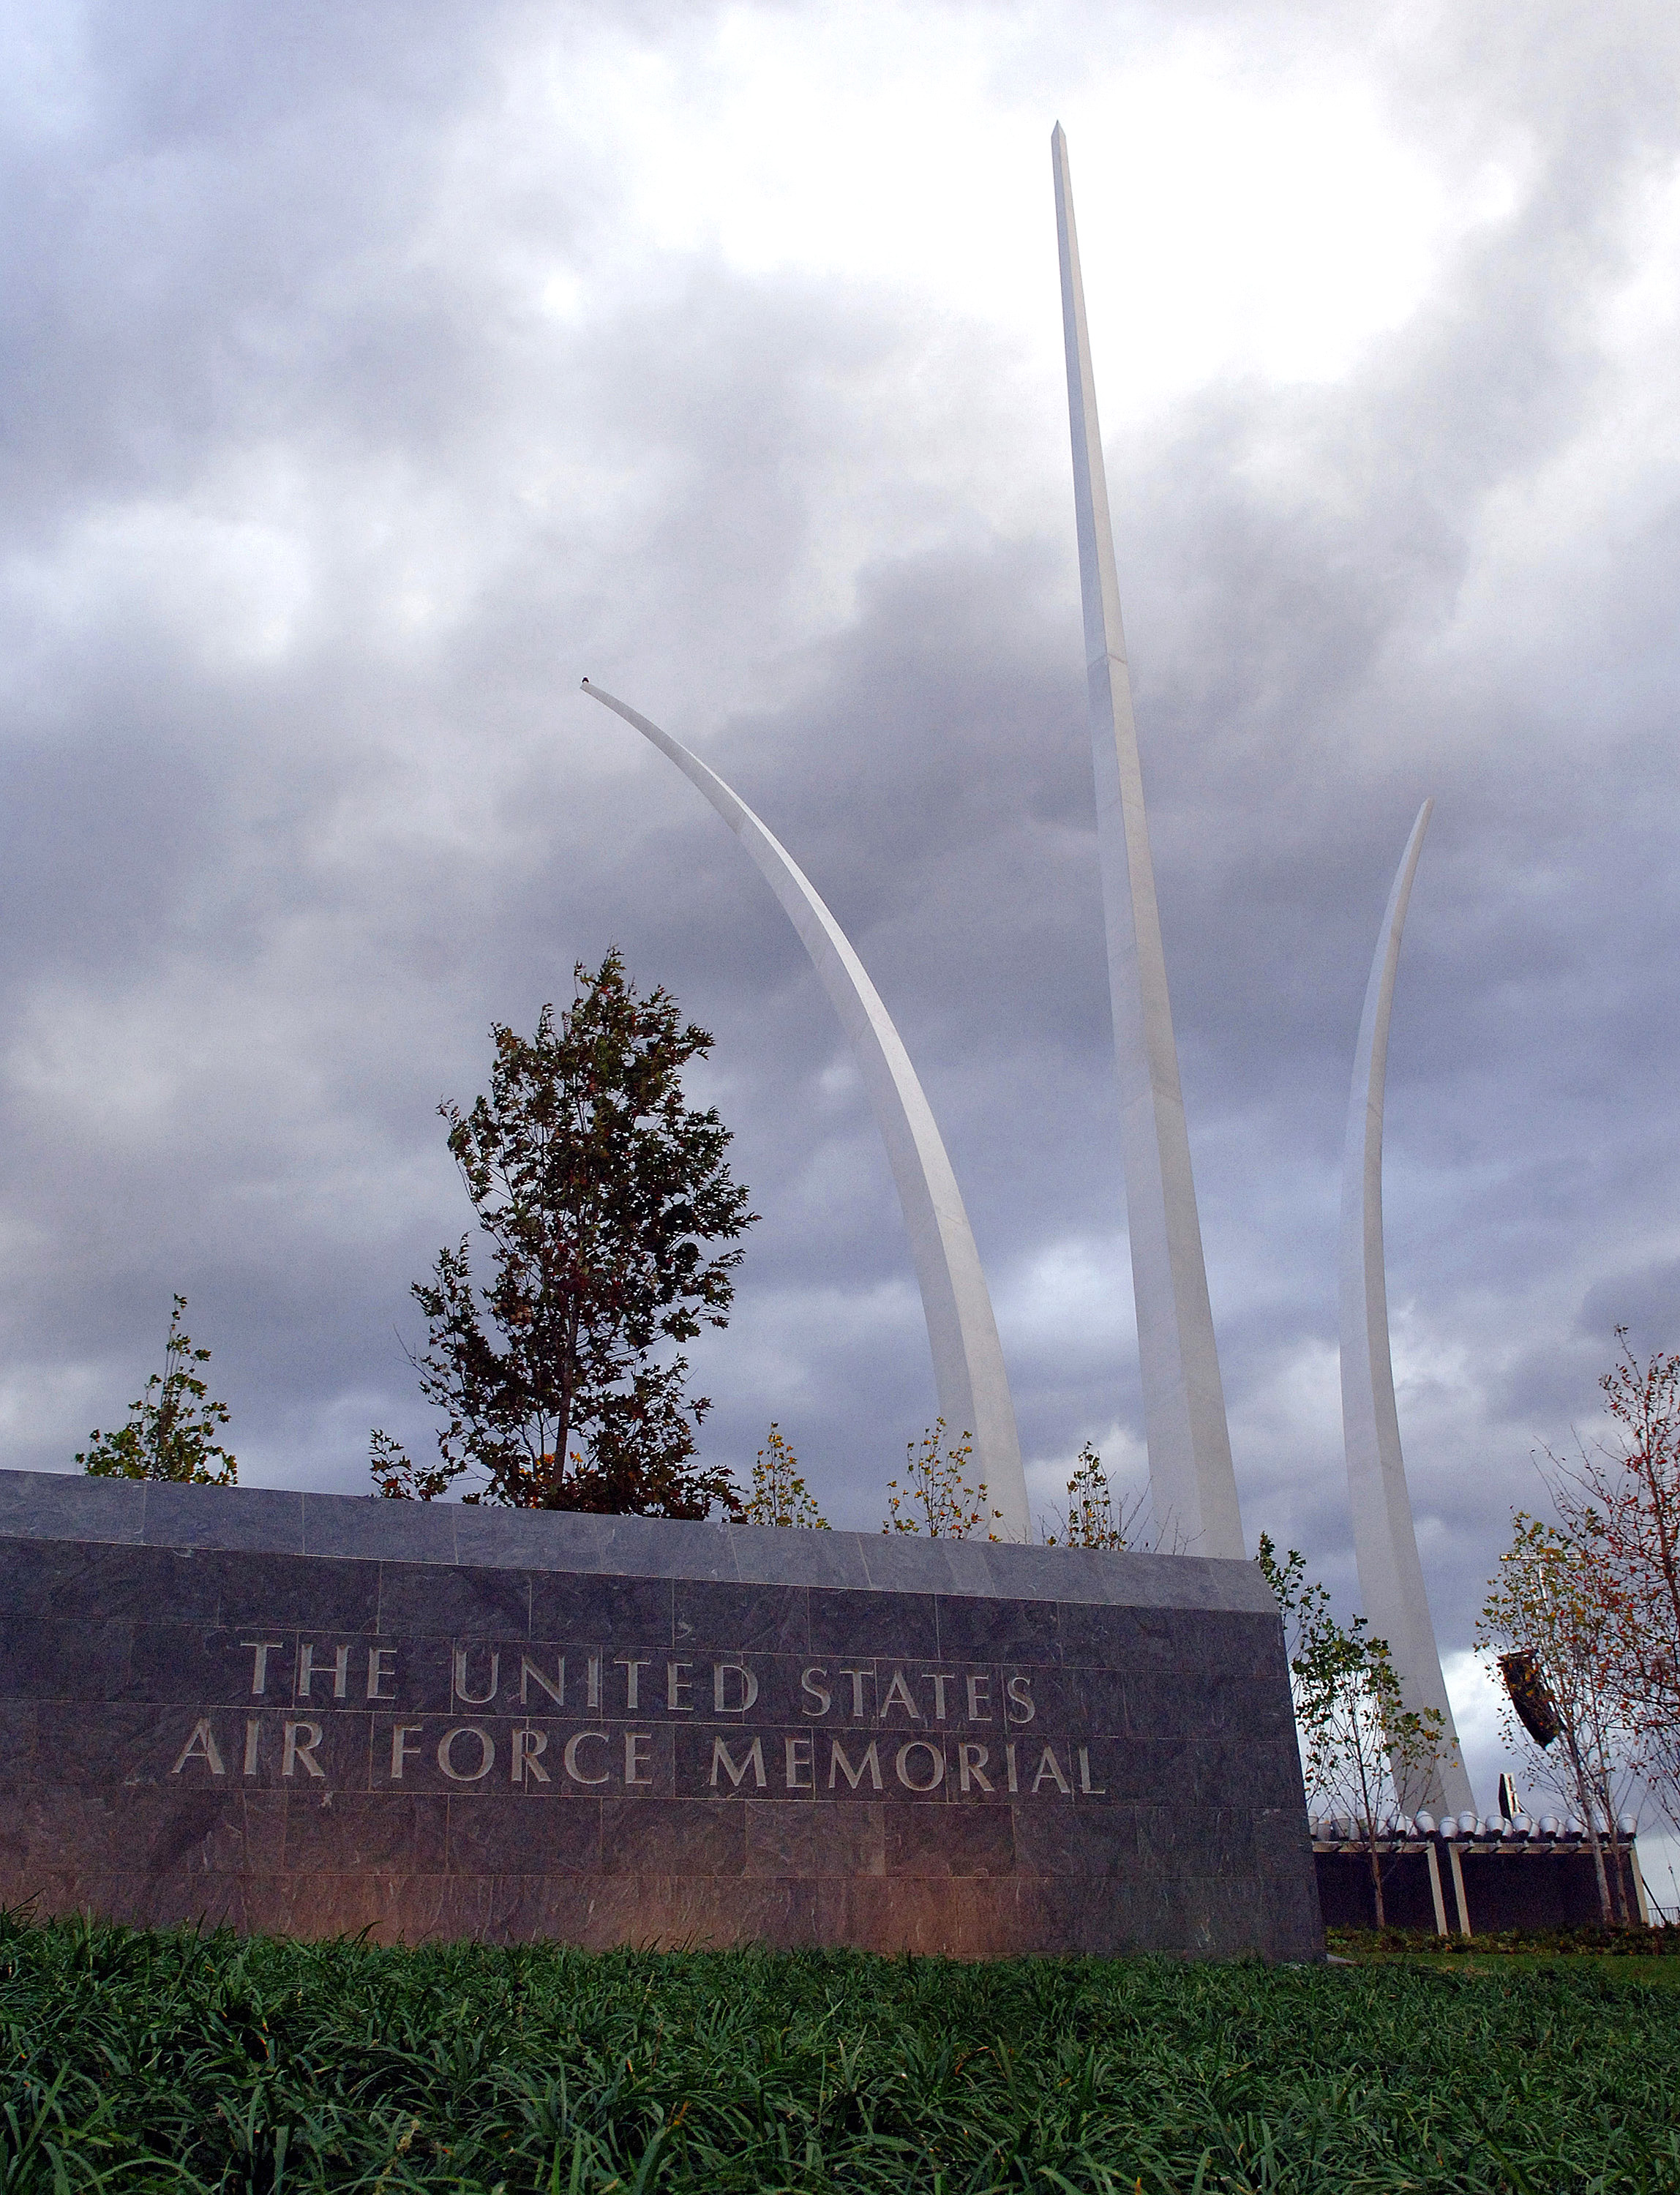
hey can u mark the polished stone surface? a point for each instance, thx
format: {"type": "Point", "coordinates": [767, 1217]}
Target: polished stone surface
{"type": "Point", "coordinates": [962, 1330]}
{"type": "Point", "coordinates": [1385, 1537]}
{"type": "Point", "coordinates": [311, 1715]}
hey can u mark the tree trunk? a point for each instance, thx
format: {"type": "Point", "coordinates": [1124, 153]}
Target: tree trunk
{"type": "Point", "coordinates": [1619, 1875]}
{"type": "Point", "coordinates": [1599, 1870]}
{"type": "Point", "coordinates": [1618, 1899]}
{"type": "Point", "coordinates": [1617, 1882]}
{"type": "Point", "coordinates": [562, 1432]}
{"type": "Point", "coordinates": [1584, 1799]}
{"type": "Point", "coordinates": [1376, 1873]}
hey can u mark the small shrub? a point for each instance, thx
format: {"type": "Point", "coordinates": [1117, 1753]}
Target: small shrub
{"type": "Point", "coordinates": [172, 1432]}
{"type": "Point", "coordinates": [779, 1495]}
{"type": "Point", "coordinates": [937, 1497]}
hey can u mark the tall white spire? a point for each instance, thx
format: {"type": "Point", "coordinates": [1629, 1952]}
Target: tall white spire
{"type": "Point", "coordinates": [1192, 1482]}
{"type": "Point", "coordinates": [1385, 1538]}
{"type": "Point", "coordinates": [962, 1330]}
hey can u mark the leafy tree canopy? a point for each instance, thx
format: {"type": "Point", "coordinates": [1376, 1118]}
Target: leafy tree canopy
{"type": "Point", "coordinates": [602, 1193]}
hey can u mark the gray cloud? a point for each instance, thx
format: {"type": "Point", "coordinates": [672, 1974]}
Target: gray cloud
{"type": "Point", "coordinates": [315, 512]}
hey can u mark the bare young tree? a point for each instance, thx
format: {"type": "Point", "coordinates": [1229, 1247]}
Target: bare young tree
{"type": "Point", "coordinates": [1095, 1516]}
{"type": "Point", "coordinates": [1550, 1630]}
{"type": "Point", "coordinates": [1619, 1502]}
{"type": "Point", "coordinates": [1364, 1754]}
{"type": "Point", "coordinates": [1099, 1516]}
{"type": "Point", "coordinates": [935, 1496]}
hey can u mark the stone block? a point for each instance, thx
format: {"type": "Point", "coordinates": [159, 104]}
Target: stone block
{"type": "Point", "coordinates": [73, 1580]}
{"type": "Point", "coordinates": [765, 1619]}
{"type": "Point", "coordinates": [264, 1522]}
{"type": "Point", "coordinates": [607, 1611]}
{"type": "Point", "coordinates": [868, 1623]}
{"type": "Point", "coordinates": [341, 1832]}
{"type": "Point", "coordinates": [435, 1599]}
{"type": "Point", "coordinates": [298, 1590]}
{"type": "Point", "coordinates": [378, 1530]}
{"type": "Point", "coordinates": [1000, 1630]}
{"type": "Point", "coordinates": [516, 1836]}
{"type": "Point", "coordinates": [316, 1715]}
{"type": "Point", "coordinates": [51, 1658]}
{"type": "Point", "coordinates": [764, 1556]}
{"type": "Point", "coordinates": [68, 1507]}
{"type": "Point", "coordinates": [673, 1837]}
{"type": "Point", "coordinates": [815, 1839]}
{"type": "Point", "coordinates": [945, 1841]}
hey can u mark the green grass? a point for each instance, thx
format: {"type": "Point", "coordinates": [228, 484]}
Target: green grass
{"type": "Point", "coordinates": [1642, 1944]}
{"type": "Point", "coordinates": [140, 2062]}
{"type": "Point", "coordinates": [1662, 1973]}
{"type": "Point", "coordinates": [1644, 1954]}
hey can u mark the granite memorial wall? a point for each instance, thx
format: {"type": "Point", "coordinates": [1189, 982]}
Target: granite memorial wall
{"type": "Point", "coordinates": [310, 1715]}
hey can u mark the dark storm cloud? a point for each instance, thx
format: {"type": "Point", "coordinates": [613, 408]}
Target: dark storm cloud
{"type": "Point", "coordinates": [316, 510]}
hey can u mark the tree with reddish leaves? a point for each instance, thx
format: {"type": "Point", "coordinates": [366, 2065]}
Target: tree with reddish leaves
{"type": "Point", "coordinates": [1621, 1504]}
{"type": "Point", "coordinates": [602, 1193]}
{"type": "Point", "coordinates": [1548, 1628]}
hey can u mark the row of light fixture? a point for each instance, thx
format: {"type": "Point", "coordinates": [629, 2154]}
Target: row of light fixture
{"type": "Point", "coordinates": [1519, 1829]}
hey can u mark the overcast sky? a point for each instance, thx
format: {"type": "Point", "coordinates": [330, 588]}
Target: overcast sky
{"type": "Point", "coordinates": [374, 372]}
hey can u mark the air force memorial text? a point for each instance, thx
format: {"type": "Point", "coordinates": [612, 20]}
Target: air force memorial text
{"type": "Point", "coordinates": [548, 1721]}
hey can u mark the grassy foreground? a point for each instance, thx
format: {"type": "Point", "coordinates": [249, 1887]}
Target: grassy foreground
{"type": "Point", "coordinates": [138, 2062]}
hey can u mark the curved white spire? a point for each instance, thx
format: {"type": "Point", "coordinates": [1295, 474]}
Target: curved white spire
{"type": "Point", "coordinates": [1385, 1538]}
{"type": "Point", "coordinates": [962, 1331]}
{"type": "Point", "coordinates": [1191, 1484]}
